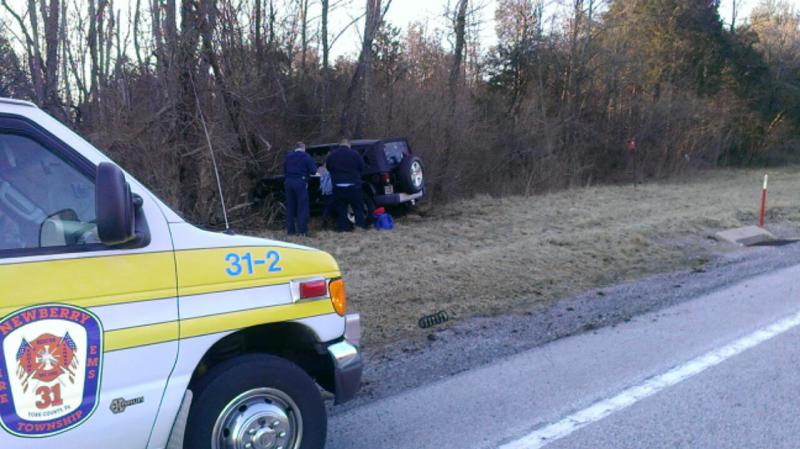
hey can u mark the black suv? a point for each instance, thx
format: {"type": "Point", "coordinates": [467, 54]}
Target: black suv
{"type": "Point", "coordinates": [393, 175]}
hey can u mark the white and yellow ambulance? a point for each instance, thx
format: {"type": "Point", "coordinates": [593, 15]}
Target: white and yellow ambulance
{"type": "Point", "coordinates": [122, 326]}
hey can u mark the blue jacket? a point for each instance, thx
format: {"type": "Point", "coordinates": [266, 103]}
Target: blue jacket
{"type": "Point", "coordinates": [346, 166]}
{"type": "Point", "coordinates": [299, 165]}
{"type": "Point", "coordinates": [325, 183]}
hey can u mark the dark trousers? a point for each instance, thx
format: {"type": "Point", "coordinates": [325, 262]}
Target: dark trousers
{"type": "Point", "coordinates": [327, 208]}
{"type": "Point", "coordinates": [297, 209]}
{"type": "Point", "coordinates": [353, 197]}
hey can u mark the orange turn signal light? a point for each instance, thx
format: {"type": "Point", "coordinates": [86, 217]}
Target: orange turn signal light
{"type": "Point", "coordinates": [338, 296]}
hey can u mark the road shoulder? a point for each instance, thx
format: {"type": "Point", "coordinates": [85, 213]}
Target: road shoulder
{"type": "Point", "coordinates": [505, 400]}
{"type": "Point", "coordinates": [480, 341]}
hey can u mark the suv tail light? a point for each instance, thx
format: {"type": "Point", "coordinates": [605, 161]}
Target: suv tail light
{"type": "Point", "coordinates": [313, 289]}
{"type": "Point", "coordinates": [388, 188]}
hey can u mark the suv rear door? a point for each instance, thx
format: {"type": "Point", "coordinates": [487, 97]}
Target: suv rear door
{"type": "Point", "coordinates": [395, 151]}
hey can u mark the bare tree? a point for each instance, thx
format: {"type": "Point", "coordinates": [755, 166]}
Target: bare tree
{"type": "Point", "coordinates": [303, 36]}
{"type": "Point", "coordinates": [158, 37]}
{"type": "Point", "coordinates": [459, 28]}
{"type": "Point", "coordinates": [42, 53]}
{"type": "Point", "coordinates": [232, 105]}
{"type": "Point", "coordinates": [51, 31]}
{"type": "Point", "coordinates": [326, 73]}
{"type": "Point", "coordinates": [735, 8]}
{"type": "Point", "coordinates": [258, 14]}
{"type": "Point", "coordinates": [373, 18]}
{"type": "Point", "coordinates": [271, 24]}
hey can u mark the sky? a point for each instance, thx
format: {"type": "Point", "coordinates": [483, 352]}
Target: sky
{"type": "Point", "coordinates": [405, 12]}
{"type": "Point", "coordinates": [345, 15]}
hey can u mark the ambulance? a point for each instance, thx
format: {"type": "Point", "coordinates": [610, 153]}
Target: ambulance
{"type": "Point", "coordinates": [123, 326]}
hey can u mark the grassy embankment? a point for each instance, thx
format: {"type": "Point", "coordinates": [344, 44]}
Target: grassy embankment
{"type": "Point", "coordinates": [495, 256]}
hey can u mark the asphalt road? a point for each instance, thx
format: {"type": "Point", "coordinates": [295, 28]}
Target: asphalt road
{"type": "Point", "coordinates": [712, 372]}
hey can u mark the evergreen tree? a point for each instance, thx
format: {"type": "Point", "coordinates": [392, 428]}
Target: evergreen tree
{"type": "Point", "coordinates": [519, 33]}
{"type": "Point", "coordinates": [677, 42]}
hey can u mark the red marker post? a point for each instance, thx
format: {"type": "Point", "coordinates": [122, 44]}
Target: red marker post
{"type": "Point", "coordinates": [763, 202]}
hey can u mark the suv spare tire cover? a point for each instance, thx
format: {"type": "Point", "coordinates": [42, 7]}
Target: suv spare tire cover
{"type": "Point", "coordinates": [408, 167]}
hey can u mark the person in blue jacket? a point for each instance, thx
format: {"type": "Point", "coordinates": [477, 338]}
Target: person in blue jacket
{"type": "Point", "coordinates": [346, 167]}
{"type": "Point", "coordinates": [297, 168]}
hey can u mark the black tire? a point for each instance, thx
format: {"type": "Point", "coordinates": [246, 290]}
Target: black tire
{"type": "Point", "coordinates": [230, 379]}
{"type": "Point", "coordinates": [407, 174]}
{"type": "Point", "coordinates": [369, 208]}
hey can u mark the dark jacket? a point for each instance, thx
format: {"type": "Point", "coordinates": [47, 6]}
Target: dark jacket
{"type": "Point", "coordinates": [299, 165]}
{"type": "Point", "coordinates": [346, 166]}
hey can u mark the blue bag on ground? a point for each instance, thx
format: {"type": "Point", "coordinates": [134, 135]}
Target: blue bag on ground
{"type": "Point", "coordinates": [383, 221]}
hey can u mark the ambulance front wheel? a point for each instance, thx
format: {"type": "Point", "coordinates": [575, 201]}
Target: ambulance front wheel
{"type": "Point", "coordinates": [256, 402]}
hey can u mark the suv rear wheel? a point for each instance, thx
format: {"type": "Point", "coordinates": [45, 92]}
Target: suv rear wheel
{"type": "Point", "coordinates": [369, 207]}
{"type": "Point", "coordinates": [256, 401]}
{"type": "Point", "coordinates": [411, 174]}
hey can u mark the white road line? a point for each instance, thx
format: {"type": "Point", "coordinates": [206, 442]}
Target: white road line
{"type": "Point", "coordinates": [606, 407]}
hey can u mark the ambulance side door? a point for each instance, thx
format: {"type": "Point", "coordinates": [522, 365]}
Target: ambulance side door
{"type": "Point", "coordinates": [88, 333]}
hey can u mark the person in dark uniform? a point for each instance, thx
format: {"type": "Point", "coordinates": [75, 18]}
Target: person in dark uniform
{"type": "Point", "coordinates": [297, 167]}
{"type": "Point", "coordinates": [346, 167]}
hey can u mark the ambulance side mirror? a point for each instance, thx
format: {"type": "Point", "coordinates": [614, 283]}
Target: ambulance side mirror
{"type": "Point", "coordinates": [115, 206]}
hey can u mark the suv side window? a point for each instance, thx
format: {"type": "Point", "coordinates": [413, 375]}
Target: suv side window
{"type": "Point", "coordinates": [45, 202]}
{"type": "Point", "coordinates": [395, 151]}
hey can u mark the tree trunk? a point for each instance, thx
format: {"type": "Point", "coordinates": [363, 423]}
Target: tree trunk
{"type": "Point", "coordinates": [303, 37]}
{"type": "Point", "coordinates": [232, 106]}
{"type": "Point", "coordinates": [101, 42]}
{"type": "Point", "coordinates": [371, 24]}
{"type": "Point", "coordinates": [111, 30]}
{"type": "Point", "coordinates": [137, 46]}
{"type": "Point", "coordinates": [271, 24]}
{"type": "Point", "coordinates": [158, 38]}
{"type": "Point", "coordinates": [64, 63]}
{"type": "Point", "coordinates": [185, 64]}
{"type": "Point", "coordinates": [51, 28]}
{"type": "Point", "coordinates": [326, 76]}
{"type": "Point", "coordinates": [171, 23]}
{"type": "Point", "coordinates": [460, 26]}
{"type": "Point", "coordinates": [258, 12]}
{"type": "Point", "coordinates": [93, 42]}
{"type": "Point", "coordinates": [460, 23]}
{"type": "Point", "coordinates": [35, 60]}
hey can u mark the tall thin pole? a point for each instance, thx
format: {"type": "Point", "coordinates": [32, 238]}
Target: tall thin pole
{"type": "Point", "coordinates": [763, 202]}
{"type": "Point", "coordinates": [213, 157]}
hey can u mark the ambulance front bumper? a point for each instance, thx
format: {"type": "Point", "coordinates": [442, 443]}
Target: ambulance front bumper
{"type": "Point", "coordinates": [348, 363]}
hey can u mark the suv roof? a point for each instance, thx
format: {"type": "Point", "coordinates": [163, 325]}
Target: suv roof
{"type": "Point", "coordinates": [357, 143]}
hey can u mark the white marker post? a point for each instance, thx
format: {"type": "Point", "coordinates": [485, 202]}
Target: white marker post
{"type": "Point", "coordinates": [763, 202]}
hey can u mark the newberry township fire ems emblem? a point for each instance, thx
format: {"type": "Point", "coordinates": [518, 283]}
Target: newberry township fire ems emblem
{"type": "Point", "coordinates": [52, 358]}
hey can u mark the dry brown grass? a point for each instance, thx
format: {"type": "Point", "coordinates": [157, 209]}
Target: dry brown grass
{"type": "Point", "coordinates": [510, 255]}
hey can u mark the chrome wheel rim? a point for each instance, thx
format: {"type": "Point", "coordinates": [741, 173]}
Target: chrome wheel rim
{"type": "Point", "coordinates": [416, 174]}
{"type": "Point", "coordinates": [263, 418]}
